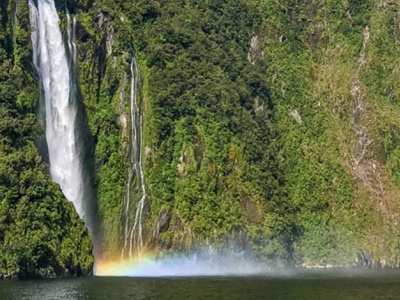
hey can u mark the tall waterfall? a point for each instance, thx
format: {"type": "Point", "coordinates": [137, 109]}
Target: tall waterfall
{"type": "Point", "coordinates": [136, 181]}
{"type": "Point", "coordinates": [65, 120]}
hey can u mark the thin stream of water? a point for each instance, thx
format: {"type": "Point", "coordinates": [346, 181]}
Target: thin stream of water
{"type": "Point", "coordinates": [134, 232]}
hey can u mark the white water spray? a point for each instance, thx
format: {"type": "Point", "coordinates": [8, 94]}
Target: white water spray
{"type": "Point", "coordinates": [57, 72]}
{"type": "Point", "coordinates": [203, 263]}
{"type": "Point", "coordinates": [134, 233]}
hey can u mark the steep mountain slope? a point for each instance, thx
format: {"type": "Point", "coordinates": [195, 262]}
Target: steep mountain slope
{"type": "Point", "coordinates": [270, 125]}
{"type": "Point", "coordinates": [277, 117]}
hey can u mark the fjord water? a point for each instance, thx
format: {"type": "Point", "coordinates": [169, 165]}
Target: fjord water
{"type": "Point", "coordinates": [310, 285]}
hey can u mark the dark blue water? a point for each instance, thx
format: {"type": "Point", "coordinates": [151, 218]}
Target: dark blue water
{"type": "Point", "coordinates": [305, 285]}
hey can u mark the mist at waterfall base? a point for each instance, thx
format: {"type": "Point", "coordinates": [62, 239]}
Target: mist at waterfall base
{"type": "Point", "coordinates": [205, 262]}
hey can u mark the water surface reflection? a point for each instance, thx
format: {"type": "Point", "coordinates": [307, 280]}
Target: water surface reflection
{"type": "Point", "coordinates": [310, 285]}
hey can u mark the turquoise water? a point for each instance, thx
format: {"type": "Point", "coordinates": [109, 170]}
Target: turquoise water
{"type": "Point", "coordinates": [304, 285]}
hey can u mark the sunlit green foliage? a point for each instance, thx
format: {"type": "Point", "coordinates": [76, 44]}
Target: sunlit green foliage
{"type": "Point", "coordinates": [229, 145]}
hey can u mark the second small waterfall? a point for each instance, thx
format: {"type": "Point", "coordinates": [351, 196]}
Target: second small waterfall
{"type": "Point", "coordinates": [136, 188]}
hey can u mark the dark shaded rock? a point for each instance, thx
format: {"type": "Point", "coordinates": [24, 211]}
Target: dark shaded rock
{"type": "Point", "coordinates": [177, 224]}
{"type": "Point", "coordinates": [82, 34]}
{"type": "Point", "coordinates": [364, 259]}
{"type": "Point", "coordinates": [43, 149]}
{"type": "Point", "coordinates": [164, 219]}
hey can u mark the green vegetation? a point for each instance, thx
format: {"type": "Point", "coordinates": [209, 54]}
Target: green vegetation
{"type": "Point", "coordinates": [277, 118]}
{"type": "Point", "coordinates": [275, 147]}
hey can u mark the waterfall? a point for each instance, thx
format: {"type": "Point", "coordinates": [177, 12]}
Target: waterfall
{"type": "Point", "coordinates": [65, 120]}
{"type": "Point", "coordinates": [134, 232]}
{"type": "Point", "coordinates": [71, 38]}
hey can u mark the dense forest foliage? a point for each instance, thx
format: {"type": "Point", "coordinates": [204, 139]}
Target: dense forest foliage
{"type": "Point", "coordinates": [272, 119]}
{"type": "Point", "coordinates": [276, 118]}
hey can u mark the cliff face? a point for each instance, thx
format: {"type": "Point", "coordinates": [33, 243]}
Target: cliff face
{"type": "Point", "coordinates": [270, 123]}
{"type": "Point", "coordinates": [273, 118]}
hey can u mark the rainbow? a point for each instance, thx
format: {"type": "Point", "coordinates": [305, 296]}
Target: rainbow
{"type": "Point", "coordinates": [182, 265]}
